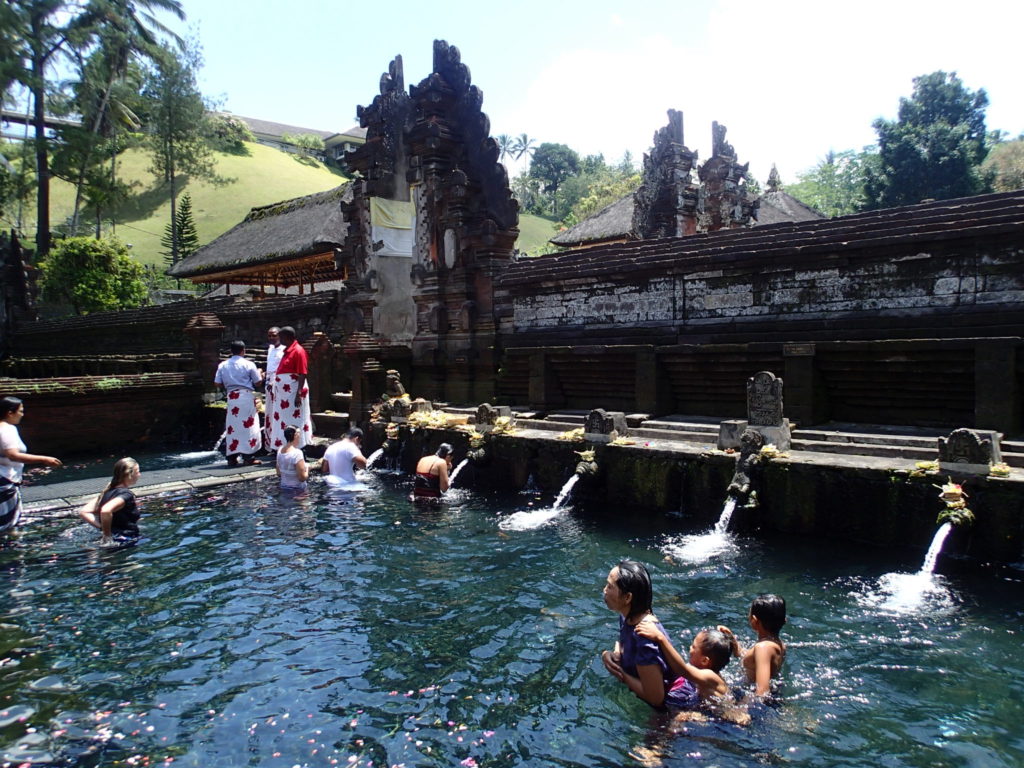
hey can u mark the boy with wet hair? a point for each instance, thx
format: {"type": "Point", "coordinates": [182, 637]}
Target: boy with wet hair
{"type": "Point", "coordinates": [762, 661]}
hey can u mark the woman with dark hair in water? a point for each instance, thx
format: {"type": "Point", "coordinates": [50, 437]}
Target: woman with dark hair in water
{"type": "Point", "coordinates": [636, 661]}
{"type": "Point", "coordinates": [432, 474]}
{"type": "Point", "coordinates": [13, 459]}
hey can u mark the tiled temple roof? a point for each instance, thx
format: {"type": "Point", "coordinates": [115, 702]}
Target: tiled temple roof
{"type": "Point", "coordinates": [969, 217]}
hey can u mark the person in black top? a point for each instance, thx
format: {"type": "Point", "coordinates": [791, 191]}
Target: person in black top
{"type": "Point", "coordinates": [114, 511]}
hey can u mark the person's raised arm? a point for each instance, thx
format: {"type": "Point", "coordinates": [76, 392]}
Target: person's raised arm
{"type": "Point", "coordinates": [737, 649]}
{"type": "Point", "coordinates": [705, 680]}
{"type": "Point", "coordinates": [31, 458]}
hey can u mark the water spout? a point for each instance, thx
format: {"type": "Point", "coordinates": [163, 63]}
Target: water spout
{"type": "Point", "coordinates": [455, 474]}
{"type": "Point", "coordinates": [220, 440]}
{"type": "Point", "coordinates": [722, 526]}
{"type": "Point", "coordinates": [566, 490]}
{"type": "Point", "coordinates": [373, 457]}
{"type": "Point", "coordinates": [936, 547]}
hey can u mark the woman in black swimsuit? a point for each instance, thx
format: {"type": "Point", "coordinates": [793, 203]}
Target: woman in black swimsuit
{"type": "Point", "coordinates": [114, 511]}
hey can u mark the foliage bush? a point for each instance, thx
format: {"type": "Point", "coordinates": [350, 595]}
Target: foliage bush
{"type": "Point", "coordinates": [92, 275]}
{"type": "Point", "coordinates": [227, 133]}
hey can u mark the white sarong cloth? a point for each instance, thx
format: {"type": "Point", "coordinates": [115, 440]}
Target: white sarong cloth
{"type": "Point", "coordinates": [242, 422]}
{"type": "Point", "coordinates": [285, 412]}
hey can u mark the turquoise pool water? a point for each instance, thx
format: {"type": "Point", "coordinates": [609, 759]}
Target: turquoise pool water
{"type": "Point", "coordinates": [251, 629]}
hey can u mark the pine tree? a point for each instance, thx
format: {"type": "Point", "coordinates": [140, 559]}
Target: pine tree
{"type": "Point", "coordinates": [184, 227]}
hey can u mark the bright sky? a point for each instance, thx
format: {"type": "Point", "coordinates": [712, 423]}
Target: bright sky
{"type": "Point", "coordinates": [790, 79]}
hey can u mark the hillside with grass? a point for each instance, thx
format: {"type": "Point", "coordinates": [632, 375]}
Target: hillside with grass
{"type": "Point", "coordinates": [266, 175]}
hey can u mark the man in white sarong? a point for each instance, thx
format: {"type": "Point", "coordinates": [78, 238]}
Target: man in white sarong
{"type": "Point", "coordinates": [275, 350]}
{"type": "Point", "coordinates": [238, 377]}
{"type": "Point", "coordinates": [291, 395]}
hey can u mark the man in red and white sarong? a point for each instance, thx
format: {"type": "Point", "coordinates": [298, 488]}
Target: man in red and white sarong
{"type": "Point", "coordinates": [275, 349]}
{"type": "Point", "coordinates": [239, 377]}
{"type": "Point", "coordinates": [291, 395]}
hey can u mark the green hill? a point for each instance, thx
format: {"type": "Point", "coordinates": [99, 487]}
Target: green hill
{"type": "Point", "coordinates": [265, 176]}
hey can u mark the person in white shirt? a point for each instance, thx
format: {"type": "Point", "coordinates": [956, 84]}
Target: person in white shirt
{"type": "Point", "coordinates": [341, 457]}
{"type": "Point", "coordinates": [238, 376]}
{"type": "Point", "coordinates": [275, 351]}
{"type": "Point", "coordinates": [291, 462]}
{"type": "Point", "coordinates": [13, 459]}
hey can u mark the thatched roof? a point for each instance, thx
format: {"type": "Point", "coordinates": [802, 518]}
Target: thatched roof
{"type": "Point", "coordinates": [273, 233]}
{"type": "Point", "coordinates": [615, 222]}
{"type": "Point", "coordinates": [780, 206]}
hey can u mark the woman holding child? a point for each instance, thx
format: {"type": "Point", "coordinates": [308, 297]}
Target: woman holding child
{"type": "Point", "coordinates": [636, 661]}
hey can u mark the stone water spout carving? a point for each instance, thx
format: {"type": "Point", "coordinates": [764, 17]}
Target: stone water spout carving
{"type": "Point", "coordinates": [956, 512]}
{"type": "Point", "coordinates": [587, 466]}
{"type": "Point", "coordinates": [747, 476]}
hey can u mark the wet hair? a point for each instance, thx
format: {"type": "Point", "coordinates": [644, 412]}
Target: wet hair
{"type": "Point", "coordinates": [9, 405]}
{"type": "Point", "coordinates": [634, 579]}
{"type": "Point", "coordinates": [770, 610]}
{"type": "Point", "coordinates": [354, 433]}
{"type": "Point", "coordinates": [289, 433]}
{"type": "Point", "coordinates": [287, 330]}
{"type": "Point", "coordinates": [444, 450]}
{"type": "Point", "coordinates": [123, 469]}
{"type": "Point", "coordinates": [716, 646]}
{"type": "Point", "coordinates": [237, 347]}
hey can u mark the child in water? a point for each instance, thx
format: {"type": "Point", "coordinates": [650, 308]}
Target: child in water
{"type": "Point", "coordinates": [709, 653]}
{"type": "Point", "coordinates": [763, 660]}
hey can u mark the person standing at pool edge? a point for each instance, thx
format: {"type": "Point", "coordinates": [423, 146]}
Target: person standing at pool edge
{"type": "Point", "coordinates": [275, 350]}
{"type": "Point", "coordinates": [238, 377]}
{"type": "Point", "coordinates": [13, 460]}
{"type": "Point", "coordinates": [291, 395]}
{"type": "Point", "coordinates": [115, 511]}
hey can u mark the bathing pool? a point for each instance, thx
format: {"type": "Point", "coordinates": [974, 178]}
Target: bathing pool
{"type": "Point", "coordinates": [251, 629]}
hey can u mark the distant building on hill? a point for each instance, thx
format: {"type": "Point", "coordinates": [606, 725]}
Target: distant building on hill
{"type": "Point", "coordinates": [336, 144]}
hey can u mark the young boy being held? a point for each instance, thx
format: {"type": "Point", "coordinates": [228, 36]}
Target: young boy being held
{"type": "Point", "coordinates": [763, 660]}
{"type": "Point", "coordinates": [709, 653]}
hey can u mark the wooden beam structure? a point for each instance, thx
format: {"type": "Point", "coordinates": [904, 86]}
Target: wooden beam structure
{"type": "Point", "coordinates": [301, 271]}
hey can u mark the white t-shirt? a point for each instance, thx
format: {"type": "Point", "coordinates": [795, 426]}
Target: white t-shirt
{"type": "Point", "coordinates": [286, 462]}
{"type": "Point", "coordinates": [237, 371]}
{"type": "Point", "coordinates": [339, 458]}
{"type": "Point", "coordinates": [274, 354]}
{"type": "Point", "coordinates": [9, 438]}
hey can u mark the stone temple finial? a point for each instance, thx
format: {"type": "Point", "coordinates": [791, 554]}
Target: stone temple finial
{"type": "Point", "coordinates": [774, 180]}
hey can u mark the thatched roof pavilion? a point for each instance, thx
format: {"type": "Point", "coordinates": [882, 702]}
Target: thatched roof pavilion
{"type": "Point", "coordinates": [290, 243]}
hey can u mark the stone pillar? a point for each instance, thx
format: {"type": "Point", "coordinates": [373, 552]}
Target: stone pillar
{"type": "Point", "coordinates": [321, 354]}
{"type": "Point", "coordinates": [653, 388]}
{"type": "Point", "coordinates": [805, 391]}
{"type": "Point", "coordinates": [544, 392]}
{"type": "Point", "coordinates": [997, 394]}
{"type": "Point", "coordinates": [205, 330]}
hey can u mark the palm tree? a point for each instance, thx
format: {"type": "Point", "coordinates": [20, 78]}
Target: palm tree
{"type": "Point", "coordinates": [506, 146]}
{"type": "Point", "coordinates": [523, 145]}
{"type": "Point", "coordinates": [123, 32]}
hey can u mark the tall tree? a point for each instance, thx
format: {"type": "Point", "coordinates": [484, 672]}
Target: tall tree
{"type": "Point", "coordinates": [176, 125]}
{"type": "Point", "coordinates": [935, 147]}
{"type": "Point", "coordinates": [523, 145]}
{"type": "Point", "coordinates": [553, 164]}
{"type": "Point", "coordinates": [39, 31]}
{"type": "Point", "coordinates": [180, 240]}
{"type": "Point", "coordinates": [506, 146]}
{"type": "Point", "coordinates": [126, 31]}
